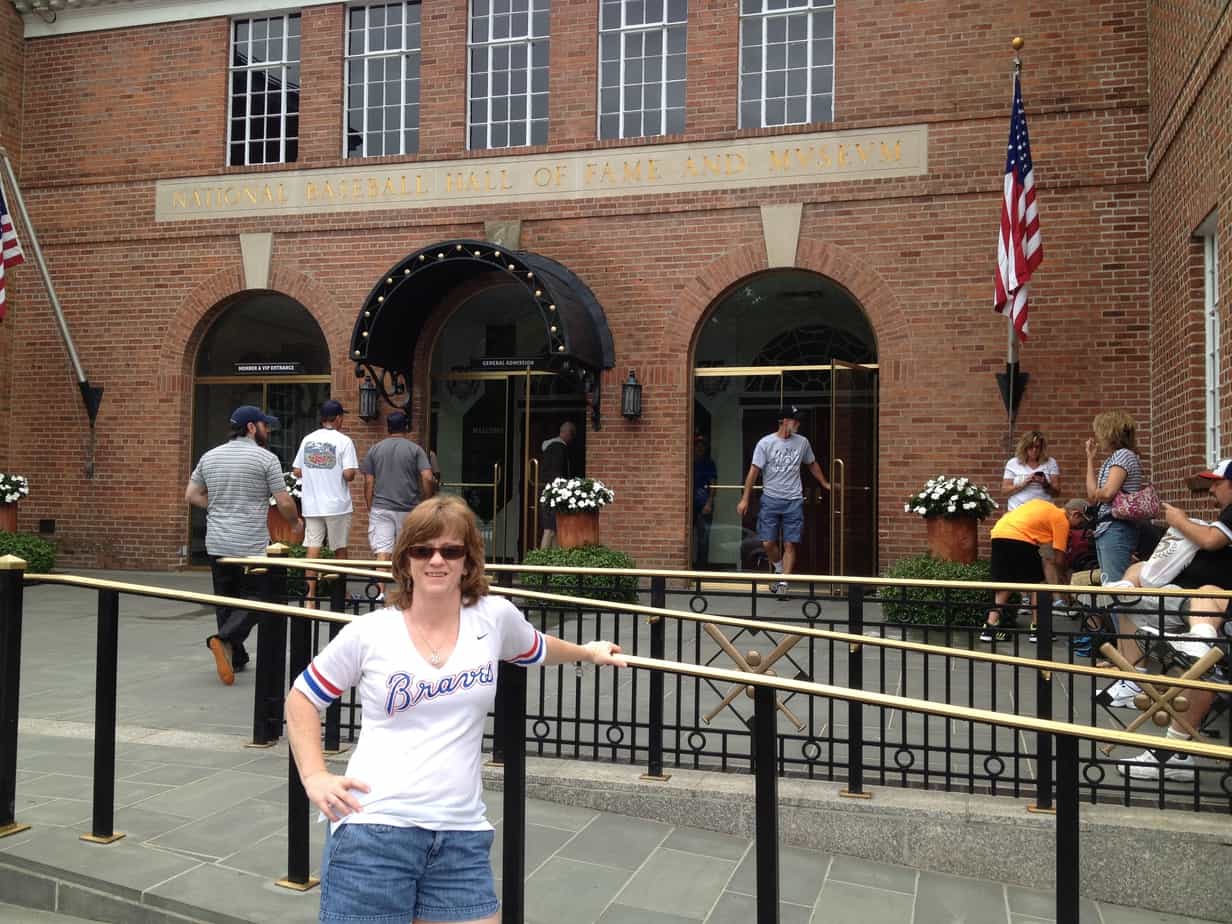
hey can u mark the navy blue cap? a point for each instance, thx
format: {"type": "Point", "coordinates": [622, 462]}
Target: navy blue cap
{"type": "Point", "coordinates": [397, 422]}
{"type": "Point", "coordinates": [247, 413]}
{"type": "Point", "coordinates": [332, 408]}
{"type": "Point", "coordinates": [789, 412]}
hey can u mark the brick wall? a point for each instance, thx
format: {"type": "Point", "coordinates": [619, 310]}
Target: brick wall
{"type": "Point", "coordinates": [917, 253]}
{"type": "Point", "coordinates": [1189, 180]}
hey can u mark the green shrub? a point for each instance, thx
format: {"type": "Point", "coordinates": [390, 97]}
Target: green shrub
{"type": "Point", "coordinates": [39, 553]}
{"type": "Point", "coordinates": [296, 586]}
{"type": "Point", "coordinates": [927, 606]}
{"type": "Point", "coordinates": [622, 588]}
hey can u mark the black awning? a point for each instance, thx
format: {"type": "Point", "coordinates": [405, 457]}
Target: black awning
{"type": "Point", "coordinates": [576, 336]}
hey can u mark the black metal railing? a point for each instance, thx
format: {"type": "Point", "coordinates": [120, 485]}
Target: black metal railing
{"type": "Point", "coordinates": [766, 755]}
{"type": "Point", "coordinates": [665, 722]}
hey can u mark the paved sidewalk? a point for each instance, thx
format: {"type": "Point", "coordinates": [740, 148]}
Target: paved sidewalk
{"type": "Point", "coordinates": [205, 817]}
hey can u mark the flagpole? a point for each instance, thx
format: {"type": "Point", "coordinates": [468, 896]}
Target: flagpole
{"type": "Point", "coordinates": [90, 395]}
{"type": "Point", "coordinates": [1011, 347]}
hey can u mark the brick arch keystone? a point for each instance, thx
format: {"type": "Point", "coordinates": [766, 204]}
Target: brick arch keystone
{"type": "Point", "coordinates": [865, 284]}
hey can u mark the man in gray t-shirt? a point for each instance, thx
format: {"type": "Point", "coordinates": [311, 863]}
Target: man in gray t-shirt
{"type": "Point", "coordinates": [233, 483]}
{"type": "Point", "coordinates": [397, 476]}
{"type": "Point", "coordinates": [778, 457]}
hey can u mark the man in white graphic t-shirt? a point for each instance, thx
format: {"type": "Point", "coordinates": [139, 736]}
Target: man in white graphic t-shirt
{"type": "Point", "coordinates": [326, 464]}
{"type": "Point", "coordinates": [777, 458]}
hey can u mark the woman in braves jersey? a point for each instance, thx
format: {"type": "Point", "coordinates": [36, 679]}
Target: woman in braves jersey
{"type": "Point", "coordinates": [408, 837]}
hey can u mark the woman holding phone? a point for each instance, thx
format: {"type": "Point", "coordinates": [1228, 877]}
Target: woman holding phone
{"type": "Point", "coordinates": [1031, 474]}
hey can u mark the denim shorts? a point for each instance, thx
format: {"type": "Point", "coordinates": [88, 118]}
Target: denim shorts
{"type": "Point", "coordinates": [382, 874]}
{"type": "Point", "coordinates": [780, 512]}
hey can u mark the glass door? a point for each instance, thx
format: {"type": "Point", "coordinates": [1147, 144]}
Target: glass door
{"type": "Point", "coordinates": [853, 469]}
{"type": "Point", "coordinates": [488, 430]}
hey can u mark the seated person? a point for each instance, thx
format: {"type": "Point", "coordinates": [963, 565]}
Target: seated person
{"type": "Point", "coordinates": [1028, 544]}
{"type": "Point", "coordinates": [1211, 569]}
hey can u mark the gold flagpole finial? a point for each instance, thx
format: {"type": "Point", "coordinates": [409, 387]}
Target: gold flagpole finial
{"type": "Point", "coordinates": [1017, 42]}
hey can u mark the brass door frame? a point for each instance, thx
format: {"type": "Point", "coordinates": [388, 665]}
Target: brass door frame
{"type": "Point", "coordinates": [838, 552]}
{"type": "Point", "coordinates": [527, 515]}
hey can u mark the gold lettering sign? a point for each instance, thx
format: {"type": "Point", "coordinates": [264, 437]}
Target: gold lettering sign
{"type": "Point", "coordinates": [819, 157]}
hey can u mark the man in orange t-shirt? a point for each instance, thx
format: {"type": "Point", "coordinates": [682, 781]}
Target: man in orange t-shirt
{"type": "Point", "coordinates": [1028, 544]}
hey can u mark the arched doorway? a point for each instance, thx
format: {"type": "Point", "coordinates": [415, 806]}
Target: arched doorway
{"type": "Point", "coordinates": [789, 337]}
{"type": "Point", "coordinates": [520, 342]}
{"type": "Point", "coordinates": [264, 349]}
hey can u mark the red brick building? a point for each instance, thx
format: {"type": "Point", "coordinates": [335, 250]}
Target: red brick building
{"type": "Point", "coordinates": [733, 200]}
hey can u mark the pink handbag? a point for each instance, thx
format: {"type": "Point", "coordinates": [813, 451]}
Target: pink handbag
{"type": "Point", "coordinates": [1141, 505]}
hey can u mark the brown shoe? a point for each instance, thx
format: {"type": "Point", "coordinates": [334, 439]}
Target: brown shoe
{"type": "Point", "coordinates": [222, 659]}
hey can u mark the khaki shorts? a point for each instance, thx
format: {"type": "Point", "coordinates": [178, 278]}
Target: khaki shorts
{"type": "Point", "coordinates": [336, 528]}
{"type": "Point", "coordinates": [384, 526]}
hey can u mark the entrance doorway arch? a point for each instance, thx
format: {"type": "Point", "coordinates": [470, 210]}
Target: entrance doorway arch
{"type": "Point", "coordinates": [787, 337]}
{"type": "Point", "coordinates": [264, 349]}
{"type": "Point", "coordinates": [520, 345]}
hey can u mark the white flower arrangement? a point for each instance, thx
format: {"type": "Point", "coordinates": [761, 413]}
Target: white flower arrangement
{"type": "Point", "coordinates": [946, 496]}
{"type": "Point", "coordinates": [13, 488]}
{"type": "Point", "coordinates": [576, 494]}
{"type": "Point", "coordinates": [295, 487]}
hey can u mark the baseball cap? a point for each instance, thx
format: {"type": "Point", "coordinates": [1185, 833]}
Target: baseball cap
{"type": "Point", "coordinates": [332, 408]}
{"type": "Point", "coordinates": [1202, 480]}
{"type": "Point", "coordinates": [789, 411]}
{"type": "Point", "coordinates": [245, 414]}
{"type": "Point", "coordinates": [396, 421]}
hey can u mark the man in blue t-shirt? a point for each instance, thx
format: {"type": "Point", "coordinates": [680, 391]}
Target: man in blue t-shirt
{"type": "Point", "coordinates": [777, 458]}
{"type": "Point", "coordinates": [705, 477]}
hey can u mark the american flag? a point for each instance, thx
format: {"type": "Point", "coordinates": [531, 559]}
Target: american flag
{"type": "Point", "coordinates": [1019, 247]}
{"type": "Point", "coordinates": [10, 248]}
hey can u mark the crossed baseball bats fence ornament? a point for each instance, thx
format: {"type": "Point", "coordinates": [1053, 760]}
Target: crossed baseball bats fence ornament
{"type": "Point", "coordinates": [1161, 706]}
{"type": "Point", "coordinates": [752, 663]}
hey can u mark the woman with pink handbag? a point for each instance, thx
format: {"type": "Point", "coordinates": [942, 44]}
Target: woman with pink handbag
{"type": "Point", "coordinates": [1119, 473]}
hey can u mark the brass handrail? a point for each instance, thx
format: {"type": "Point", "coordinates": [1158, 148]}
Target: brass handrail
{"type": "Point", "coordinates": [849, 638]}
{"type": "Point", "coordinates": [760, 577]}
{"type": "Point", "coordinates": [887, 700]}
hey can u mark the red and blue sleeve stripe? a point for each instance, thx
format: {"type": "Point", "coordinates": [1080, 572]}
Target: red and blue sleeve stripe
{"type": "Point", "coordinates": [314, 683]}
{"type": "Point", "coordinates": [534, 654]}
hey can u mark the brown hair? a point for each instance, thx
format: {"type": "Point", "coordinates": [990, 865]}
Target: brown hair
{"type": "Point", "coordinates": [436, 517]}
{"type": "Point", "coordinates": [1115, 430]}
{"type": "Point", "coordinates": [1026, 441]}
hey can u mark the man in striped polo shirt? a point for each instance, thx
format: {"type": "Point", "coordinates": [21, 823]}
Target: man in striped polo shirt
{"type": "Point", "coordinates": [233, 484]}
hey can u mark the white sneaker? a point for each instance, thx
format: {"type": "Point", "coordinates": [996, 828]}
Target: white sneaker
{"type": "Point", "coordinates": [1147, 766]}
{"type": "Point", "coordinates": [779, 588]}
{"type": "Point", "coordinates": [1120, 695]}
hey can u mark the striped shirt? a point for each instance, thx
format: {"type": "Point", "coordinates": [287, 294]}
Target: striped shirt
{"type": "Point", "coordinates": [239, 477]}
{"type": "Point", "coordinates": [1128, 460]}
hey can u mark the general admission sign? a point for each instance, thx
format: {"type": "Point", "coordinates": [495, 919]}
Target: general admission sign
{"type": "Point", "coordinates": [822, 157]}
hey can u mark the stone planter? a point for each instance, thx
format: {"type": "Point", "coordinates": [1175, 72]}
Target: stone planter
{"type": "Point", "coordinates": [953, 538]}
{"type": "Point", "coordinates": [576, 528]}
{"type": "Point", "coordinates": [8, 518]}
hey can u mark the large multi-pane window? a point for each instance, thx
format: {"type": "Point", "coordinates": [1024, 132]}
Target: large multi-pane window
{"type": "Point", "coordinates": [264, 112]}
{"type": "Point", "coordinates": [508, 104]}
{"type": "Point", "coordinates": [1214, 353]}
{"type": "Point", "coordinates": [641, 67]}
{"type": "Point", "coordinates": [382, 79]}
{"type": "Point", "coordinates": [786, 62]}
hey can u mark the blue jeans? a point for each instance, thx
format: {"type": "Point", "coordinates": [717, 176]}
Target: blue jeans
{"type": "Point", "coordinates": [1115, 549]}
{"type": "Point", "coordinates": [383, 874]}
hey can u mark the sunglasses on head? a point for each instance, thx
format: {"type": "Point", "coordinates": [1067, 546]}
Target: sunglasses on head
{"type": "Point", "coordinates": [448, 552]}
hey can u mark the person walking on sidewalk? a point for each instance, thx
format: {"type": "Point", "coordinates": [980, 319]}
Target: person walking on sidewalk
{"type": "Point", "coordinates": [556, 464]}
{"type": "Point", "coordinates": [777, 459]}
{"type": "Point", "coordinates": [233, 484]}
{"type": "Point", "coordinates": [326, 465]}
{"type": "Point", "coordinates": [408, 838]}
{"type": "Point", "coordinates": [397, 476]}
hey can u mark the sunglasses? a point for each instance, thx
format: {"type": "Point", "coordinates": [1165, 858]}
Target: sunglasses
{"type": "Point", "coordinates": [448, 552]}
